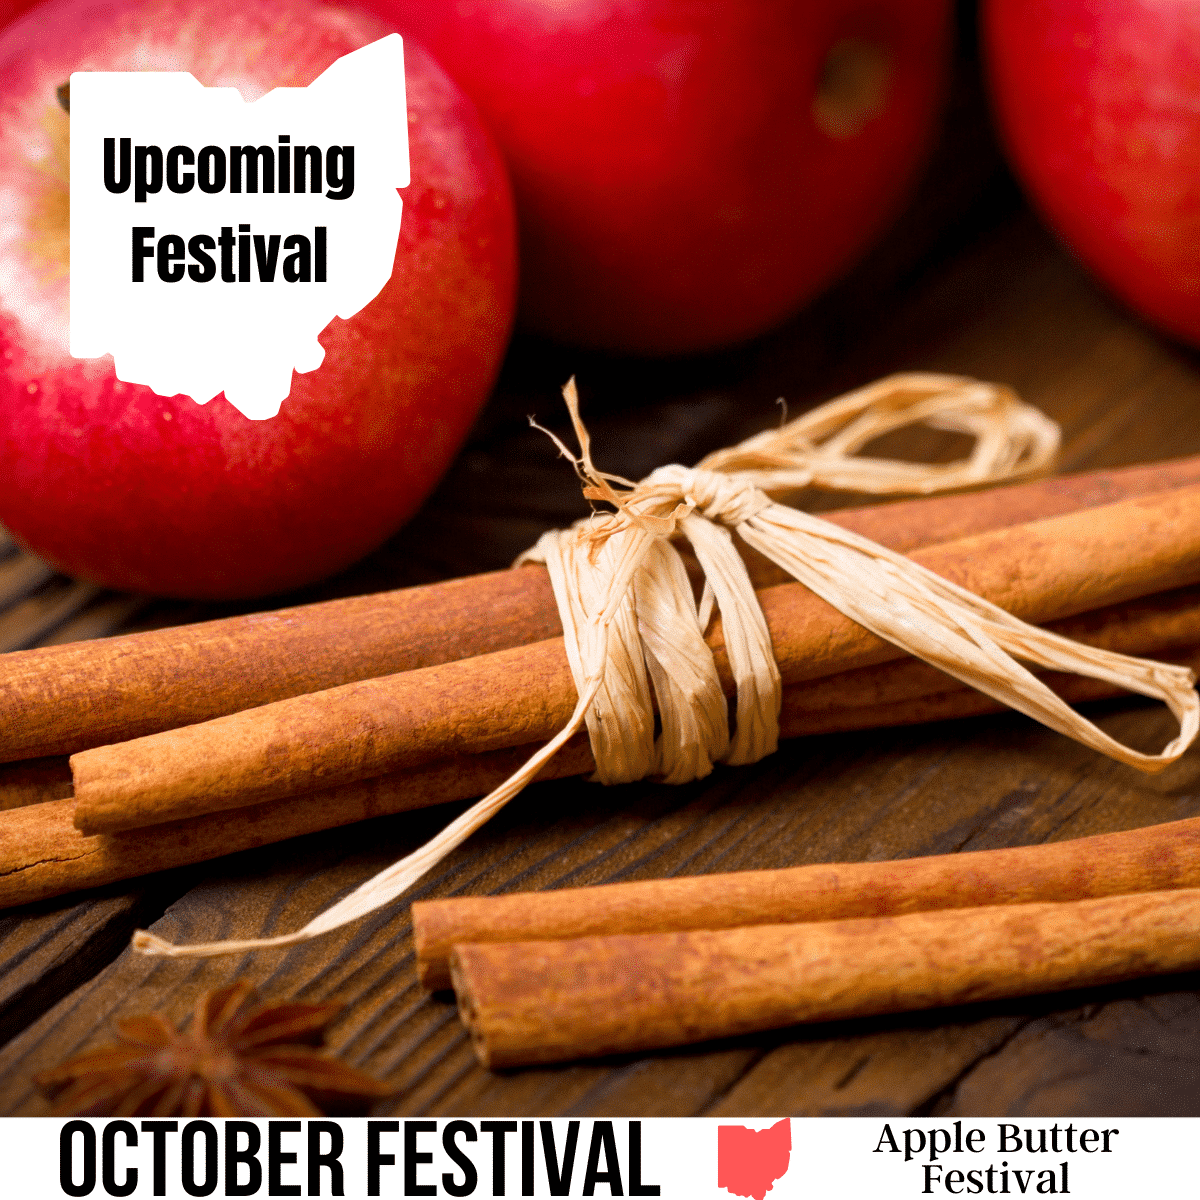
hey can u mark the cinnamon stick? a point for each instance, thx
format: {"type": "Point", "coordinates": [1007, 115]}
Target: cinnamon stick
{"type": "Point", "coordinates": [60, 699]}
{"type": "Point", "coordinates": [42, 854]}
{"type": "Point", "coordinates": [1040, 571]}
{"type": "Point", "coordinates": [33, 781]}
{"type": "Point", "coordinates": [910, 692]}
{"type": "Point", "coordinates": [1155, 858]}
{"type": "Point", "coordinates": [541, 1002]}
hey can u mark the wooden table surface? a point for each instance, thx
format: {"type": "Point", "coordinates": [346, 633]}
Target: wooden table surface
{"type": "Point", "coordinates": [968, 282]}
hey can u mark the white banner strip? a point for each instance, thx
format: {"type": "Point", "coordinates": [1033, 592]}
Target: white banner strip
{"type": "Point", "coordinates": [697, 1158]}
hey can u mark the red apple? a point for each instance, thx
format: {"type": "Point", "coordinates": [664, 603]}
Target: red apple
{"type": "Point", "coordinates": [9, 9]}
{"type": "Point", "coordinates": [689, 172]}
{"type": "Point", "coordinates": [1098, 102]}
{"type": "Point", "coordinates": [114, 483]}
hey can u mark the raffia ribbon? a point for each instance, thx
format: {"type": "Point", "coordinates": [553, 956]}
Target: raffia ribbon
{"type": "Point", "coordinates": [634, 633]}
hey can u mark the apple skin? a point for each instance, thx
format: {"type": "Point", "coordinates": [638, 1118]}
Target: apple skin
{"type": "Point", "coordinates": [1098, 103]}
{"type": "Point", "coordinates": [9, 9]}
{"type": "Point", "coordinates": [674, 190]}
{"type": "Point", "coordinates": [113, 483]}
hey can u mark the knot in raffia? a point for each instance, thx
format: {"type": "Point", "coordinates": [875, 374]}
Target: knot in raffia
{"type": "Point", "coordinates": [726, 499]}
{"type": "Point", "coordinates": [635, 635]}
{"type": "Point", "coordinates": [634, 632]}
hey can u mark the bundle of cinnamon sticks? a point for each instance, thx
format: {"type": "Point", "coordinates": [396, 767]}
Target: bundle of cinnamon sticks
{"type": "Point", "coordinates": [199, 741]}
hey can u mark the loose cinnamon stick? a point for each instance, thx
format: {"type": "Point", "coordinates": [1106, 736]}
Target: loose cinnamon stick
{"type": "Point", "coordinates": [42, 854]}
{"type": "Point", "coordinates": [1040, 571]}
{"type": "Point", "coordinates": [541, 1002]}
{"type": "Point", "coordinates": [1156, 858]}
{"type": "Point", "coordinates": [60, 699]}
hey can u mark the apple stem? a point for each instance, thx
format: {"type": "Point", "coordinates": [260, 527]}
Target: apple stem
{"type": "Point", "coordinates": [63, 92]}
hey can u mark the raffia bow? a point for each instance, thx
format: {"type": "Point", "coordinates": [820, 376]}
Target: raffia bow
{"type": "Point", "coordinates": [634, 633]}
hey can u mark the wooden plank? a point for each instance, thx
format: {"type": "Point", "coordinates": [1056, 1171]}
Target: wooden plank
{"type": "Point", "coordinates": [50, 949]}
{"type": "Point", "coordinates": [889, 1072]}
{"type": "Point", "coordinates": [42, 611]}
{"type": "Point", "coordinates": [20, 575]}
{"type": "Point", "coordinates": [1128, 1052]}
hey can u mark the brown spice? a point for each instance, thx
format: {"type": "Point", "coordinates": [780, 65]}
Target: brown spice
{"type": "Point", "coordinates": [42, 854]}
{"type": "Point", "coordinates": [1040, 572]}
{"type": "Point", "coordinates": [60, 699]}
{"type": "Point", "coordinates": [241, 1058]}
{"type": "Point", "coordinates": [33, 781]}
{"type": "Point", "coordinates": [1148, 627]}
{"type": "Point", "coordinates": [1156, 858]}
{"type": "Point", "coordinates": [539, 1002]}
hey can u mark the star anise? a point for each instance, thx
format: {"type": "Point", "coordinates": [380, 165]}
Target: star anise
{"type": "Point", "coordinates": [240, 1058]}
